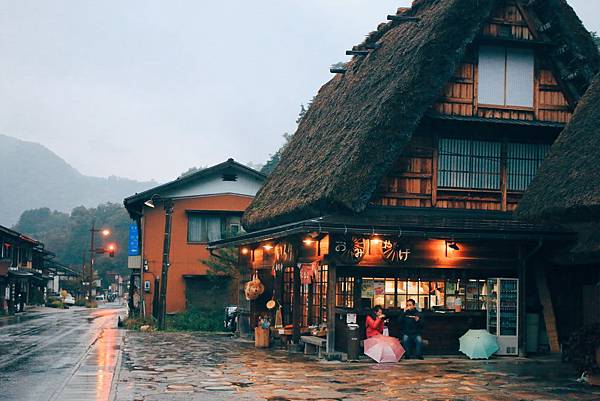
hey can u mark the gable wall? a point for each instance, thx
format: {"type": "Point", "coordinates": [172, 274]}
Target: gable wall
{"type": "Point", "coordinates": [459, 97]}
{"type": "Point", "coordinates": [245, 185]}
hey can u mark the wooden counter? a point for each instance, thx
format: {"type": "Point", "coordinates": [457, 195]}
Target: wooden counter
{"type": "Point", "coordinates": [441, 331]}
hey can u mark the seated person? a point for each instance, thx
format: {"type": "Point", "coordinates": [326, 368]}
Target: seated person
{"type": "Point", "coordinates": [412, 324]}
{"type": "Point", "coordinates": [375, 322]}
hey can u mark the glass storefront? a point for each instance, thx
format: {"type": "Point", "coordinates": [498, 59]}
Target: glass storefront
{"type": "Point", "coordinates": [392, 293]}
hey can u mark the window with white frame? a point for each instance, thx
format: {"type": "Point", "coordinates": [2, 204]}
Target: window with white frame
{"type": "Point", "coordinates": [204, 227]}
{"type": "Point", "coordinates": [506, 76]}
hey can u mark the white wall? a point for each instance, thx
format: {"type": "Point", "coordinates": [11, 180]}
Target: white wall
{"type": "Point", "coordinates": [245, 185]}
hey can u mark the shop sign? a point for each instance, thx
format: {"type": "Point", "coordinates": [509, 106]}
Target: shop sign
{"type": "Point", "coordinates": [395, 251]}
{"type": "Point", "coordinates": [134, 242]}
{"type": "Point", "coordinates": [350, 250]}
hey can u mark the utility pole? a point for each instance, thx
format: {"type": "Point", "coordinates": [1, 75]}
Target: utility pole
{"type": "Point", "coordinates": [92, 253]}
{"type": "Point", "coordinates": [83, 275]}
{"type": "Point", "coordinates": [168, 205]}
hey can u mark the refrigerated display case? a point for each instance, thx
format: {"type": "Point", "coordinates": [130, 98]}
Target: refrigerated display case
{"type": "Point", "coordinates": [503, 314]}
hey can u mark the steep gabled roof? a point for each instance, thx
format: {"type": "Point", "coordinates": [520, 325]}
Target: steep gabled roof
{"type": "Point", "coordinates": [360, 121]}
{"type": "Point", "coordinates": [134, 203]}
{"type": "Point", "coordinates": [567, 187]}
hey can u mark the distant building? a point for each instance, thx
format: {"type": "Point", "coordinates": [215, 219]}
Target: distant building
{"type": "Point", "coordinates": [207, 205]}
{"type": "Point", "coordinates": [27, 271]}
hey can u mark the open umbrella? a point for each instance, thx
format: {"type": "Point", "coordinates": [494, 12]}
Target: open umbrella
{"type": "Point", "coordinates": [479, 344]}
{"type": "Point", "coordinates": [384, 349]}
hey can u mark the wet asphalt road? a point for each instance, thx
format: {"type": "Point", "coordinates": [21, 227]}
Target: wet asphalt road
{"type": "Point", "coordinates": [59, 354]}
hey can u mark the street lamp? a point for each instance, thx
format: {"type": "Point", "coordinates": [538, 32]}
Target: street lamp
{"type": "Point", "coordinates": [93, 251]}
{"type": "Point", "coordinates": [162, 300]}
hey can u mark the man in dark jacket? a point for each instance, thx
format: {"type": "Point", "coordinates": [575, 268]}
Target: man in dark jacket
{"type": "Point", "coordinates": [412, 323]}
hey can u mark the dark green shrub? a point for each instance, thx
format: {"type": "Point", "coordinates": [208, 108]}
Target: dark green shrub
{"type": "Point", "coordinates": [134, 323]}
{"type": "Point", "coordinates": [581, 349]}
{"type": "Point", "coordinates": [196, 320]}
{"type": "Point", "coordinates": [55, 303]}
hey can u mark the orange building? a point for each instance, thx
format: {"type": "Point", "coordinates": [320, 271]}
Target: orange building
{"type": "Point", "coordinates": [207, 205]}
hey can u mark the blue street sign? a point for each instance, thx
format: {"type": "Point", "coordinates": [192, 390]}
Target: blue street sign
{"type": "Point", "coordinates": [134, 241]}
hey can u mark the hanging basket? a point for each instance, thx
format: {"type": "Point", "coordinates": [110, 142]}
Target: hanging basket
{"type": "Point", "coordinates": [254, 288]}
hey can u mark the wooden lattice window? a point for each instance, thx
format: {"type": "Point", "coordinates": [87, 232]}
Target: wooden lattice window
{"type": "Point", "coordinates": [469, 164]}
{"type": "Point", "coordinates": [524, 160]}
{"type": "Point", "coordinates": [344, 294]}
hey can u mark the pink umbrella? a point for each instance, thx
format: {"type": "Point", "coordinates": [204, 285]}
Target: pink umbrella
{"type": "Point", "coordinates": [384, 349]}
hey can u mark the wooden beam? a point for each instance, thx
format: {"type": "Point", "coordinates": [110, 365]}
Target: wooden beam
{"type": "Point", "coordinates": [434, 173]}
{"type": "Point", "coordinates": [402, 18]}
{"type": "Point", "coordinates": [522, 323]}
{"type": "Point", "coordinates": [357, 52]}
{"type": "Point", "coordinates": [549, 316]}
{"type": "Point", "coordinates": [504, 174]}
{"type": "Point", "coordinates": [296, 311]}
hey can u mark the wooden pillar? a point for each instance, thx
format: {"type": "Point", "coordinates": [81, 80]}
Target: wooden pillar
{"type": "Point", "coordinates": [549, 316]}
{"type": "Point", "coordinates": [331, 287]}
{"type": "Point", "coordinates": [434, 169]}
{"type": "Point", "coordinates": [296, 307]}
{"type": "Point", "coordinates": [504, 175]}
{"type": "Point", "coordinates": [522, 310]}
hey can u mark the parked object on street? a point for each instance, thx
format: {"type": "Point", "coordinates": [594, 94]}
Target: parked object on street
{"type": "Point", "coordinates": [230, 322]}
{"type": "Point", "coordinates": [69, 300]}
{"type": "Point", "coordinates": [100, 298]}
{"type": "Point", "coordinates": [479, 344]}
{"type": "Point", "coordinates": [384, 349]}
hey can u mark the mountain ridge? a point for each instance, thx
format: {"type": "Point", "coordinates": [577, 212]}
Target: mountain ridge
{"type": "Point", "coordinates": [32, 176]}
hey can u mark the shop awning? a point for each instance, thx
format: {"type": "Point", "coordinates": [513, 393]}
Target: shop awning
{"type": "Point", "coordinates": [412, 222]}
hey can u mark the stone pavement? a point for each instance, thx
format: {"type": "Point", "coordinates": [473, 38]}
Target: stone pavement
{"type": "Point", "coordinates": [181, 366]}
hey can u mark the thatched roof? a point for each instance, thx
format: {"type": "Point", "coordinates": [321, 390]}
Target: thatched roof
{"type": "Point", "coordinates": [567, 188]}
{"type": "Point", "coordinates": [360, 121]}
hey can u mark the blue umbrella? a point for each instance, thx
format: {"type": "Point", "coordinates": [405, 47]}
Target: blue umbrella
{"type": "Point", "coordinates": [479, 344]}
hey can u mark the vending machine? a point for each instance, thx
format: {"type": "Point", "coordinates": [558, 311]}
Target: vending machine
{"type": "Point", "coordinates": [503, 314]}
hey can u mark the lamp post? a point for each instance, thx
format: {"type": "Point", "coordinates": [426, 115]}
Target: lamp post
{"type": "Point", "coordinates": [93, 251]}
{"type": "Point", "coordinates": [162, 300]}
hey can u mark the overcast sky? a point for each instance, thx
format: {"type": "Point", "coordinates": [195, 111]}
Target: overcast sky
{"type": "Point", "coordinates": [148, 88]}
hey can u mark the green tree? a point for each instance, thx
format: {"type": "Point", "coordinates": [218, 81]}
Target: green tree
{"type": "Point", "coordinates": [223, 262]}
{"type": "Point", "coordinates": [191, 170]}
{"type": "Point", "coordinates": [273, 161]}
{"type": "Point", "coordinates": [596, 38]}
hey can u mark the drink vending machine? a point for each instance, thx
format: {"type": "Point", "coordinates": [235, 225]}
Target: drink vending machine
{"type": "Point", "coordinates": [503, 314]}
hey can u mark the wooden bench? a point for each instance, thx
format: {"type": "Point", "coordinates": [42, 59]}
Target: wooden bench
{"type": "Point", "coordinates": [313, 345]}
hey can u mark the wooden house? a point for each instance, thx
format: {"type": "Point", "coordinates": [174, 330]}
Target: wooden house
{"type": "Point", "coordinates": [207, 205]}
{"type": "Point", "coordinates": [26, 271]}
{"type": "Point", "coordinates": [567, 191]}
{"type": "Point", "coordinates": [402, 178]}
